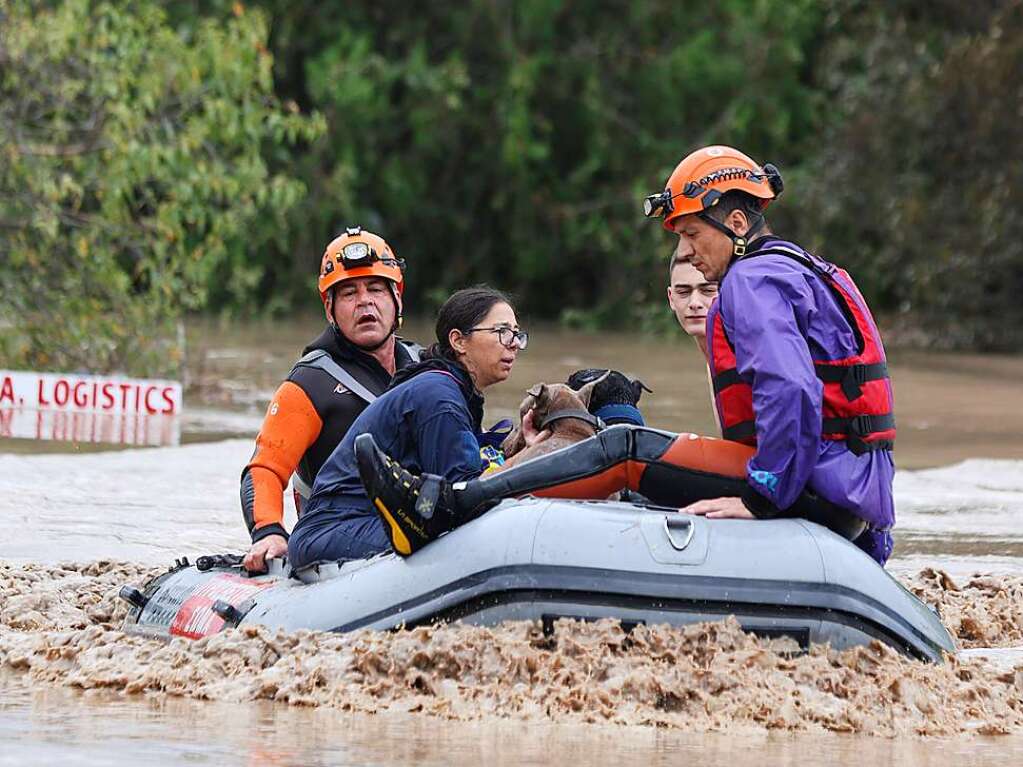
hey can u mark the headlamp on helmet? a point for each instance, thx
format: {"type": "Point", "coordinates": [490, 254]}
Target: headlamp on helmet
{"type": "Point", "coordinates": [658, 204]}
{"type": "Point", "coordinates": [357, 254]}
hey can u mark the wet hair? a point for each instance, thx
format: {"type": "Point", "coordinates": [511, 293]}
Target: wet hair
{"type": "Point", "coordinates": [463, 311]}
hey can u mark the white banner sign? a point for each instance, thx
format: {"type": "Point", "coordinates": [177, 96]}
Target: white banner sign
{"type": "Point", "coordinates": [86, 408]}
{"type": "Point", "coordinates": [86, 393]}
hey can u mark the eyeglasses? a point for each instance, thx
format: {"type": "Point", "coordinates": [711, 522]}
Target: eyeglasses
{"type": "Point", "coordinates": [507, 337]}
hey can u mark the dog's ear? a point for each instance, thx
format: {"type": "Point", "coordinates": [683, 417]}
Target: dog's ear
{"type": "Point", "coordinates": [638, 387]}
{"type": "Point", "coordinates": [540, 394]}
{"type": "Point", "coordinates": [586, 391]}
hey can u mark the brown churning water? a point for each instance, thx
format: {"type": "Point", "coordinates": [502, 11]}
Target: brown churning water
{"type": "Point", "coordinates": [60, 624]}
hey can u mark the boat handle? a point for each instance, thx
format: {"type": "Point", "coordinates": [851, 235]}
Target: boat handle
{"type": "Point", "coordinates": [673, 523]}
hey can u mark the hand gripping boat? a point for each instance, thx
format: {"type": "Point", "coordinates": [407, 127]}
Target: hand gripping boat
{"type": "Point", "coordinates": [540, 559]}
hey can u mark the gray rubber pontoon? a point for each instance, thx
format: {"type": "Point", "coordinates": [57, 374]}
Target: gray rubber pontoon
{"type": "Point", "coordinates": [538, 559]}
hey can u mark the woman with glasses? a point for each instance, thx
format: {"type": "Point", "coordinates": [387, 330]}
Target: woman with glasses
{"type": "Point", "coordinates": [429, 419]}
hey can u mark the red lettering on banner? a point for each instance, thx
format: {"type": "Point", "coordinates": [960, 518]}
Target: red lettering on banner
{"type": "Point", "coordinates": [78, 396]}
{"type": "Point", "coordinates": [42, 398]}
{"type": "Point", "coordinates": [149, 408]}
{"type": "Point", "coordinates": [7, 390]}
{"type": "Point", "coordinates": [167, 391]}
{"type": "Point", "coordinates": [107, 396]}
{"type": "Point", "coordinates": [125, 388]}
{"type": "Point", "coordinates": [61, 393]}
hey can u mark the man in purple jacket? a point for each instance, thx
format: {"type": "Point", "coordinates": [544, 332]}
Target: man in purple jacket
{"type": "Point", "coordinates": [798, 366]}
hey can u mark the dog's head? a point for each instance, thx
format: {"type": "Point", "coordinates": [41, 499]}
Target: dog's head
{"type": "Point", "coordinates": [544, 399]}
{"type": "Point", "coordinates": [613, 387]}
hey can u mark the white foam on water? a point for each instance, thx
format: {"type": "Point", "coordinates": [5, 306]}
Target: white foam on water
{"type": "Point", "coordinates": [146, 505]}
{"type": "Point", "coordinates": [965, 518]}
{"type": "Point", "coordinates": [977, 485]}
{"type": "Point", "coordinates": [1002, 658]}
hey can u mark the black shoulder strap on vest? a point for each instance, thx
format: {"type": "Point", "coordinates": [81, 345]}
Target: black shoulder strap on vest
{"type": "Point", "coordinates": [782, 250]}
{"type": "Point", "coordinates": [415, 351]}
{"type": "Point", "coordinates": [318, 358]}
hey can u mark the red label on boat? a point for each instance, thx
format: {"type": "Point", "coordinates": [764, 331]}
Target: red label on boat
{"type": "Point", "coordinates": [196, 619]}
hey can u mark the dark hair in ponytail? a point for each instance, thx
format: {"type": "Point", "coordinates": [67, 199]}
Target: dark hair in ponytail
{"type": "Point", "coordinates": [463, 311]}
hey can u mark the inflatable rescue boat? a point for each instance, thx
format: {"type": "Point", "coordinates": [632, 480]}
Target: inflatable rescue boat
{"type": "Point", "coordinates": [541, 559]}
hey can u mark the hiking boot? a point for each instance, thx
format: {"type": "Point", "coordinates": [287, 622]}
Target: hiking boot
{"type": "Point", "coordinates": [415, 510]}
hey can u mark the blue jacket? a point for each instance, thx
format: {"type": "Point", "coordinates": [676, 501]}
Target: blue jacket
{"type": "Point", "coordinates": [427, 421]}
{"type": "Point", "coordinates": [779, 317]}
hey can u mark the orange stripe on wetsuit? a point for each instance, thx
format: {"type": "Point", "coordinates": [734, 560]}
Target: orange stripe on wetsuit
{"type": "Point", "coordinates": [689, 452]}
{"type": "Point", "coordinates": [290, 427]}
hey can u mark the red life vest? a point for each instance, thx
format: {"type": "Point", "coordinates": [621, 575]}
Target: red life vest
{"type": "Point", "coordinates": [857, 400]}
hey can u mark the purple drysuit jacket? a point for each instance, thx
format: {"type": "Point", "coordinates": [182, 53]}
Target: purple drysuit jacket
{"type": "Point", "coordinates": [780, 317]}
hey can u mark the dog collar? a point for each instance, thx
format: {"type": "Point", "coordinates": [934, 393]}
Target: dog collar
{"type": "Point", "coordinates": [572, 413]}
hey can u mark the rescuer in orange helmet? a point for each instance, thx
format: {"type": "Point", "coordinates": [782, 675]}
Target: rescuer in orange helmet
{"type": "Point", "coordinates": [797, 363]}
{"type": "Point", "coordinates": [361, 283]}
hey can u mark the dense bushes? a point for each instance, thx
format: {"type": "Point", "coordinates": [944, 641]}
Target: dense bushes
{"type": "Point", "coordinates": [133, 178]}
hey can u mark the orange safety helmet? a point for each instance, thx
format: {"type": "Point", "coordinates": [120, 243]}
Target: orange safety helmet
{"type": "Point", "coordinates": [360, 254]}
{"type": "Point", "coordinates": [699, 181]}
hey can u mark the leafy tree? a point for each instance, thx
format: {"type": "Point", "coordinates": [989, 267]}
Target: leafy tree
{"type": "Point", "coordinates": [497, 141]}
{"type": "Point", "coordinates": [919, 185]}
{"type": "Point", "coordinates": [513, 142]}
{"type": "Point", "coordinates": [134, 177]}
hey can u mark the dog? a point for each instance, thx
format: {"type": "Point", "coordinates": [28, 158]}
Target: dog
{"type": "Point", "coordinates": [575, 423]}
{"type": "Point", "coordinates": [572, 405]}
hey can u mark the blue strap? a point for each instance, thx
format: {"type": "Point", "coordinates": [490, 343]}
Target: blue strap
{"type": "Point", "coordinates": [620, 413]}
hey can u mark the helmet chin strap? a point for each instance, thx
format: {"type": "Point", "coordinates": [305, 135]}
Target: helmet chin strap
{"type": "Point", "coordinates": [739, 242]}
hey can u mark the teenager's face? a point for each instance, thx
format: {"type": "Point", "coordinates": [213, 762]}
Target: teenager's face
{"type": "Point", "coordinates": [481, 351]}
{"type": "Point", "coordinates": [690, 295]}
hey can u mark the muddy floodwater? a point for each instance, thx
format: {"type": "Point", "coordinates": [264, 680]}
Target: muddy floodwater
{"type": "Point", "coordinates": [78, 522]}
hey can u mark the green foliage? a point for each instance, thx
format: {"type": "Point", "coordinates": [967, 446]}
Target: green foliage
{"type": "Point", "coordinates": [512, 142]}
{"type": "Point", "coordinates": [132, 177]}
{"type": "Point", "coordinates": [491, 141]}
{"type": "Point", "coordinates": [919, 186]}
